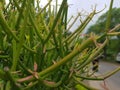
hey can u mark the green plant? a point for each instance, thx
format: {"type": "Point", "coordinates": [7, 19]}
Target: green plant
{"type": "Point", "coordinates": [38, 53]}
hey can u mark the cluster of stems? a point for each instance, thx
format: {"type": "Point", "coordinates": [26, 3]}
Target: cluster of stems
{"type": "Point", "coordinates": [38, 51]}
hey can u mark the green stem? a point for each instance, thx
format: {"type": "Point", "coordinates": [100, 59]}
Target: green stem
{"type": "Point", "coordinates": [20, 15]}
{"type": "Point", "coordinates": [69, 20]}
{"type": "Point", "coordinates": [93, 55]}
{"type": "Point", "coordinates": [66, 15]}
{"type": "Point", "coordinates": [56, 20]}
{"type": "Point", "coordinates": [113, 34]}
{"type": "Point", "coordinates": [103, 77]}
{"type": "Point", "coordinates": [44, 8]}
{"type": "Point", "coordinates": [90, 78]}
{"type": "Point", "coordinates": [4, 56]}
{"type": "Point", "coordinates": [76, 18]}
{"type": "Point", "coordinates": [36, 28]}
{"type": "Point", "coordinates": [29, 86]}
{"type": "Point", "coordinates": [67, 58]}
{"type": "Point", "coordinates": [56, 7]}
{"type": "Point", "coordinates": [84, 85]}
{"type": "Point", "coordinates": [14, 55]}
{"type": "Point", "coordinates": [9, 75]}
{"type": "Point", "coordinates": [111, 73]}
{"type": "Point", "coordinates": [109, 16]}
{"type": "Point", "coordinates": [81, 27]}
{"type": "Point", "coordinates": [2, 75]}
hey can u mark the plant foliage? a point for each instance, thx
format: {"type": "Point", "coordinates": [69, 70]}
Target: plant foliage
{"type": "Point", "coordinates": [37, 52]}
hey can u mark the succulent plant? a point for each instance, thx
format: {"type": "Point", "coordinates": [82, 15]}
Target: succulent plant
{"type": "Point", "coordinates": [38, 51]}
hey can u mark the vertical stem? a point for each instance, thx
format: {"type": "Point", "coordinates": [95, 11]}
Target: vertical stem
{"type": "Point", "coordinates": [56, 20]}
{"type": "Point", "coordinates": [66, 14]}
{"type": "Point", "coordinates": [56, 6]}
{"type": "Point", "coordinates": [14, 55]}
{"type": "Point", "coordinates": [109, 16]}
{"type": "Point", "coordinates": [20, 15]}
{"type": "Point", "coordinates": [108, 25]}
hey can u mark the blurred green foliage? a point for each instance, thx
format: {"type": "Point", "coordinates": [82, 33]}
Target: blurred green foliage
{"type": "Point", "coordinates": [113, 46]}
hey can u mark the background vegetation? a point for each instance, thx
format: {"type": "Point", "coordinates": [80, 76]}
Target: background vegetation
{"type": "Point", "coordinates": [99, 27]}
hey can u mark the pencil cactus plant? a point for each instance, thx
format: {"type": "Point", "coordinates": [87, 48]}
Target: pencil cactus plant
{"type": "Point", "coordinates": [38, 53]}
